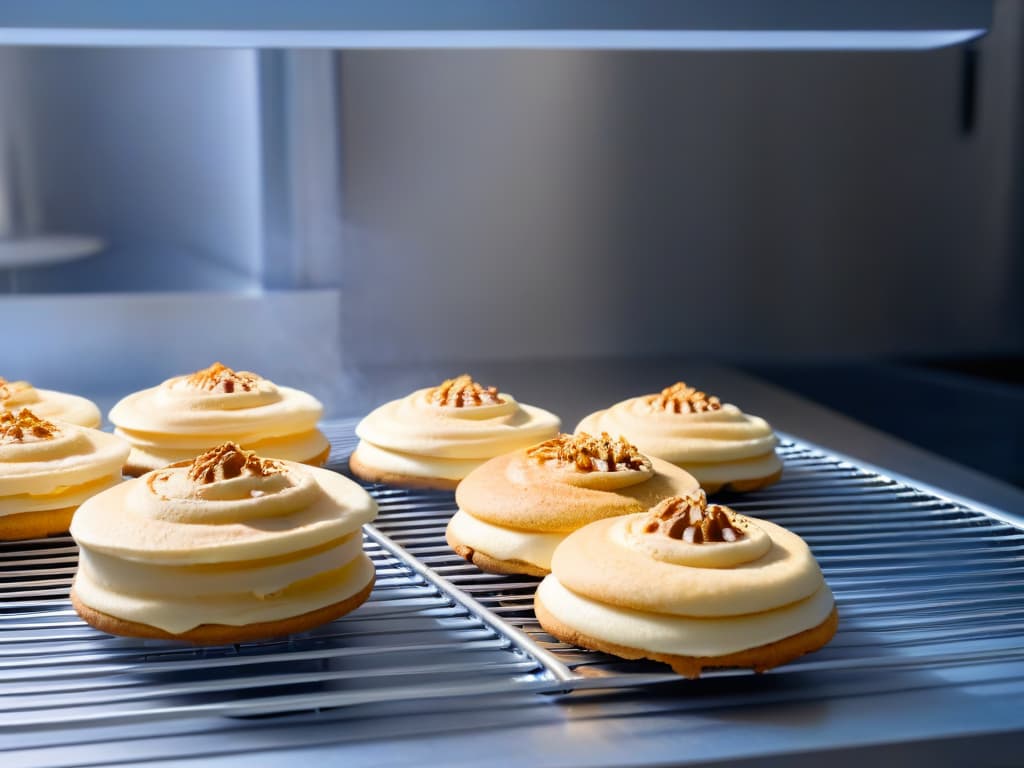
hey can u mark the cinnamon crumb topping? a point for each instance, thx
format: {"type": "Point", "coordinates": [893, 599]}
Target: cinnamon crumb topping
{"type": "Point", "coordinates": [590, 453]}
{"type": "Point", "coordinates": [691, 519]}
{"type": "Point", "coordinates": [462, 391]}
{"type": "Point", "coordinates": [679, 398]}
{"type": "Point", "coordinates": [14, 428]}
{"type": "Point", "coordinates": [228, 461]}
{"type": "Point", "coordinates": [219, 378]}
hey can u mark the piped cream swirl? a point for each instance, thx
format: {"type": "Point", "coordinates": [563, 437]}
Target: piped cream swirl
{"type": "Point", "coordinates": [650, 570]}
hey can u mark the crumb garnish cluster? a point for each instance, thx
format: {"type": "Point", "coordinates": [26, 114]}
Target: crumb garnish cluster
{"type": "Point", "coordinates": [219, 378]}
{"type": "Point", "coordinates": [16, 427]}
{"type": "Point", "coordinates": [229, 461]}
{"type": "Point", "coordinates": [588, 453]}
{"type": "Point", "coordinates": [462, 391]}
{"type": "Point", "coordinates": [680, 398]}
{"type": "Point", "coordinates": [691, 519]}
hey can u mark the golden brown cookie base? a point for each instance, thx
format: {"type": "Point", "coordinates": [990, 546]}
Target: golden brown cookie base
{"type": "Point", "coordinates": [372, 475]}
{"type": "Point", "coordinates": [490, 564]}
{"type": "Point", "coordinates": [761, 658]}
{"type": "Point", "coordinates": [220, 634]}
{"type": "Point", "coordinates": [514, 491]}
{"type": "Point", "coordinates": [137, 470]}
{"type": "Point", "coordinates": [35, 525]}
{"type": "Point", "coordinates": [743, 486]}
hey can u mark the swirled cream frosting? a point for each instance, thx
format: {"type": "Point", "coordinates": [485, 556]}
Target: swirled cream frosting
{"type": "Point", "coordinates": [228, 539]}
{"type": "Point", "coordinates": [518, 508]}
{"type": "Point", "coordinates": [686, 579]}
{"type": "Point", "coordinates": [49, 404]}
{"type": "Point", "coordinates": [716, 442]}
{"type": "Point", "coordinates": [442, 433]}
{"type": "Point", "coordinates": [51, 466]}
{"type": "Point", "coordinates": [186, 415]}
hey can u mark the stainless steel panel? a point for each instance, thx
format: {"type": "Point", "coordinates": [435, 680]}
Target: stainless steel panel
{"type": "Point", "coordinates": [525, 23]}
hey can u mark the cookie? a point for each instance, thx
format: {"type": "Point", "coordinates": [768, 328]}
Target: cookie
{"type": "Point", "coordinates": [220, 634]}
{"type": "Point", "coordinates": [435, 437]}
{"type": "Point", "coordinates": [35, 525]}
{"type": "Point", "coordinates": [759, 659]}
{"type": "Point", "coordinates": [48, 468]}
{"type": "Point", "coordinates": [490, 564]}
{"type": "Point", "coordinates": [224, 548]}
{"type": "Point", "coordinates": [724, 448]}
{"type": "Point", "coordinates": [187, 415]}
{"type": "Point", "coordinates": [49, 404]}
{"type": "Point", "coordinates": [371, 474]}
{"type": "Point", "coordinates": [689, 583]}
{"type": "Point", "coordinates": [516, 509]}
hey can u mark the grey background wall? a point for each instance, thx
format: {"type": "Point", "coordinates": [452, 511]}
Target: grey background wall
{"type": "Point", "coordinates": [504, 205]}
{"type": "Point", "coordinates": [501, 205]}
{"type": "Point", "coordinates": [158, 152]}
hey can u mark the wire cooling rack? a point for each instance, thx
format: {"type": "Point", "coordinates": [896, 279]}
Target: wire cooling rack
{"type": "Point", "coordinates": [923, 584]}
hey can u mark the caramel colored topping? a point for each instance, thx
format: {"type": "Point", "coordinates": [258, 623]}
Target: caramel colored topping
{"type": "Point", "coordinates": [691, 519]}
{"type": "Point", "coordinates": [680, 398]}
{"type": "Point", "coordinates": [590, 453]}
{"type": "Point", "coordinates": [228, 461]}
{"type": "Point", "coordinates": [14, 428]}
{"type": "Point", "coordinates": [462, 391]}
{"type": "Point", "coordinates": [220, 378]}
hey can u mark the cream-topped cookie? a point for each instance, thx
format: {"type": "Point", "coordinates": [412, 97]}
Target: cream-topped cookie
{"type": "Point", "coordinates": [49, 404]}
{"type": "Point", "coordinates": [436, 436]}
{"type": "Point", "coordinates": [689, 583]}
{"type": "Point", "coordinates": [715, 442]}
{"type": "Point", "coordinates": [517, 508]}
{"type": "Point", "coordinates": [47, 469]}
{"type": "Point", "coordinates": [186, 415]}
{"type": "Point", "coordinates": [225, 548]}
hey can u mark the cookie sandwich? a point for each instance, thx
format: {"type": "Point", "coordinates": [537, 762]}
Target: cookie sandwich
{"type": "Point", "coordinates": [187, 415]}
{"type": "Point", "coordinates": [47, 469]}
{"type": "Point", "coordinates": [226, 548]}
{"type": "Point", "coordinates": [716, 442]}
{"type": "Point", "coordinates": [515, 509]}
{"type": "Point", "coordinates": [691, 584]}
{"type": "Point", "coordinates": [49, 404]}
{"type": "Point", "coordinates": [435, 437]}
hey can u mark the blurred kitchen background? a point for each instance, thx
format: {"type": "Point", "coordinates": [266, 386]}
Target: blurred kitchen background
{"type": "Point", "coordinates": [847, 225]}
